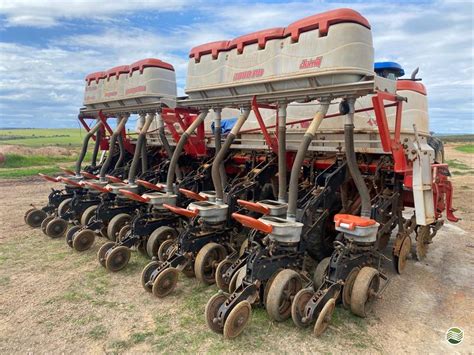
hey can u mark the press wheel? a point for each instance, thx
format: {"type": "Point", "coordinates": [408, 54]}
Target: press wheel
{"type": "Point", "coordinates": [35, 217]}
{"type": "Point", "coordinates": [324, 317]}
{"type": "Point", "coordinates": [223, 266]}
{"type": "Point", "coordinates": [116, 224]}
{"type": "Point", "coordinates": [88, 213]}
{"type": "Point", "coordinates": [297, 307]}
{"type": "Point", "coordinates": [400, 260]}
{"type": "Point", "coordinates": [166, 249]}
{"type": "Point", "coordinates": [56, 228]}
{"type": "Point", "coordinates": [101, 254]}
{"type": "Point", "coordinates": [64, 206]}
{"type": "Point", "coordinates": [237, 320]}
{"type": "Point", "coordinates": [236, 279]}
{"type": "Point", "coordinates": [83, 239]}
{"type": "Point", "coordinates": [117, 258]}
{"type": "Point", "coordinates": [347, 288]}
{"type": "Point", "coordinates": [146, 274]}
{"type": "Point", "coordinates": [157, 237]}
{"type": "Point", "coordinates": [206, 262]}
{"type": "Point", "coordinates": [320, 272]}
{"type": "Point", "coordinates": [27, 212]}
{"type": "Point", "coordinates": [283, 289]}
{"type": "Point", "coordinates": [123, 232]}
{"type": "Point", "coordinates": [165, 282]}
{"type": "Point", "coordinates": [45, 222]}
{"type": "Point", "coordinates": [364, 291]}
{"type": "Point", "coordinates": [70, 234]}
{"type": "Point", "coordinates": [212, 307]}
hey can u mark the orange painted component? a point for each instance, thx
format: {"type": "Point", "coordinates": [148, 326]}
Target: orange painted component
{"type": "Point", "coordinates": [70, 182]}
{"type": "Point", "coordinates": [88, 175]}
{"type": "Point", "coordinates": [411, 85]}
{"type": "Point", "coordinates": [67, 171]}
{"type": "Point", "coordinates": [149, 185]}
{"type": "Point", "coordinates": [253, 206]}
{"type": "Point", "coordinates": [133, 196]}
{"type": "Point", "coordinates": [96, 187]}
{"type": "Point", "coordinates": [353, 221]}
{"type": "Point", "coordinates": [251, 222]}
{"type": "Point", "coordinates": [192, 195]}
{"type": "Point", "coordinates": [48, 178]}
{"type": "Point", "coordinates": [181, 211]}
{"type": "Point", "coordinates": [113, 178]}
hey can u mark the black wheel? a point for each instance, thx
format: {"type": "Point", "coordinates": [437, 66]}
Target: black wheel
{"type": "Point", "coordinates": [347, 288]}
{"type": "Point", "coordinates": [364, 291]}
{"type": "Point", "coordinates": [223, 266]}
{"type": "Point", "coordinates": [297, 307]}
{"type": "Point", "coordinates": [212, 307]}
{"type": "Point", "coordinates": [237, 320]}
{"type": "Point", "coordinates": [320, 272]}
{"type": "Point", "coordinates": [101, 254]}
{"type": "Point", "coordinates": [45, 222]}
{"type": "Point", "coordinates": [35, 217]}
{"type": "Point", "coordinates": [123, 232]}
{"type": "Point", "coordinates": [116, 224]}
{"type": "Point", "coordinates": [146, 274]}
{"type": "Point", "coordinates": [64, 206]}
{"type": "Point", "coordinates": [88, 213]}
{"type": "Point", "coordinates": [117, 258]}
{"type": "Point", "coordinates": [166, 249]}
{"type": "Point", "coordinates": [206, 262]}
{"type": "Point", "coordinates": [56, 228]}
{"type": "Point", "coordinates": [165, 282]}
{"type": "Point", "coordinates": [27, 212]}
{"type": "Point", "coordinates": [283, 289]}
{"type": "Point", "coordinates": [70, 234]}
{"type": "Point", "coordinates": [83, 239]}
{"type": "Point", "coordinates": [324, 317]}
{"type": "Point", "coordinates": [158, 236]}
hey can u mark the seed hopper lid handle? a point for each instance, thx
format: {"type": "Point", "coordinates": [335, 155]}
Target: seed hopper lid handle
{"type": "Point", "coordinates": [181, 211]}
{"type": "Point", "coordinates": [192, 195]}
{"type": "Point", "coordinates": [68, 171]}
{"type": "Point", "coordinates": [88, 175]}
{"type": "Point", "coordinates": [113, 178]}
{"type": "Point", "coordinates": [48, 178]}
{"type": "Point", "coordinates": [70, 182]}
{"type": "Point", "coordinates": [254, 206]}
{"type": "Point", "coordinates": [149, 185]}
{"type": "Point", "coordinates": [133, 196]}
{"type": "Point", "coordinates": [97, 187]}
{"type": "Point", "coordinates": [252, 223]}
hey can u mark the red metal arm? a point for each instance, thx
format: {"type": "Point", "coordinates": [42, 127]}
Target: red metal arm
{"type": "Point", "coordinates": [70, 182]}
{"type": "Point", "coordinates": [253, 223]}
{"type": "Point", "coordinates": [113, 178]}
{"type": "Point", "coordinates": [181, 211]}
{"type": "Point", "coordinates": [97, 187]}
{"type": "Point", "coordinates": [134, 196]}
{"type": "Point", "coordinates": [253, 206]}
{"type": "Point", "coordinates": [271, 142]}
{"type": "Point", "coordinates": [48, 178]}
{"type": "Point", "coordinates": [192, 195]}
{"type": "Point", "coordinates": [149, 185]}
{"type": "Point", "coordinates": [67, 171]}
{"type": "Point", "coordinates": [88, 175]}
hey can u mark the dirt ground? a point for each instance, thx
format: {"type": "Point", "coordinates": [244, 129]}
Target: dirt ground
{"type": "Point", "coordinates": [55, 300]}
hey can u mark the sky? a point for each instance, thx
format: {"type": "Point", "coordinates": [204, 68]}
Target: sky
{"type": "Point", "coordinates": [47, 47]}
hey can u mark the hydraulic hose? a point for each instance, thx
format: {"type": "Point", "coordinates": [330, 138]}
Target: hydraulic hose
{"type": "Point", "coordinates": [351, 159]}
{"type": "Point", "coordinates": [219, 159]}
{"type": "Point", "coordinates": [166, 144]}
{"type": "Point", "coordinates": [179, 148]}
{"type": "Point", "coordinates": [113, 139]}
{"type": "Point", "coordinates": [141, 142]}
{"type": "Point", "coordinates": [218, 142]}
{"type": "Point", "coordinates": [298, 162]}
{"type": "Point", "coordinates": [144, 156]}
{"type": "Point", "coordinates": [85, 143]}
{"type": "Point", "coordinates": [282, 153]}
{"type": "Point", "coordinates": [95, 153]}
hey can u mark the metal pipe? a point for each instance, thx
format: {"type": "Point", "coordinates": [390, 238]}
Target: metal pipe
{"type": "Point", "coordinates": [298, 162]}
{"type": "Point", "coordinates": [351, 159]}
{"type": "Point", "coordinates": [85, 143]}
{"type": "Point", "coordinates": [119, 161]}
{"type": "Point", "coordinates": [219, 159]}
{"type": "Point", "coordinates": [179, 148]}
{"type": "Point", "coordinates": [141, 142]}
{"type": "Point", "coordinates": [144, 156]}
{"type": "Point", "coordinates": [218, 141]}
{"type": "Point", "coordinates": [282, 171]}
{"type": "Point", "coordinates": [95, 153]}
{"type": "Point", "coordinates": [166, 144]}
{"type": "Point", "coordinates": [121, 121]}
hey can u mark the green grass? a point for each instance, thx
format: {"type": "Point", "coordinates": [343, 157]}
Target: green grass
{"type": "Point", "coordinates": [42, 137]}
{"type": "Point", "coordinates": [456, 164]}
{"type": "Point", "coordinates": [24, 161]}
{"type": "Point", "coordinates": [467, 148]}
{"type": "Point", "coordinates": [21, 173]}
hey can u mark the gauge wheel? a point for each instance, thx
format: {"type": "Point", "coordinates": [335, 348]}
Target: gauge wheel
{"type": "Point", "coordinates": [157, 237]}
{"type": "Point", "coordinates": [56, 228]}
{"type": "Point", "coordinates": [165, 282]}
{"type": "Point", "coordinates": [298, 306]}
{"type": "Point", "coordinates": [237, 320]}
{"type": "Point", "coordinates": [283, 289]}
{"type": "Point", "coordinates": [83, 239]}
{"type": "Point", "coordinates": [212, 307]}
{"type": "Point", "coordinates": [116, 224]}
{"type": "Point", "coordinates": [117, 258]}
{"type": "Point", "coordinates": [364, 291]}
{"type": "Point", "coordinates": [206, 262]}
{"type": "Point", "coordinates": [101, 254]}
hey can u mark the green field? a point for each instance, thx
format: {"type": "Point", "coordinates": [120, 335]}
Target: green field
{"type": "Point", "coordinates": [467, 148]}
{"type": "Point", "coordinates": [64, 137]}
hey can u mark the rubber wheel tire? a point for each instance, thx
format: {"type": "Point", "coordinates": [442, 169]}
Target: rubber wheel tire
{"type": "Point", "coordinates": [347, 288]}
{"type": "Point", "coordinates": [165, 282]}
{"type": "Point", "coordinates": [298, 305]}
{"type": "Point", "coordinates": [56, 228]}
{"type": "Point", "coordinates": [70, 234]}
{"type": "Point", "coordinates": [83, 239]}
{"type": "Point", "coordinates": [166, 249]}
{"type": "Point", "coordinates": [101, 254]}
{"type": "Point", "coordinates": [123, 232]}
{"type": "Point", "coordinates": [284, 287]}
{"type": "Point", "coordinates": [45, 222]}
{"type": "Point", "coordinates": [237, 320]}
{"type": "Point", "coordinates": [400, 260]}
{"type": "Point", "coordinates": [88, 213]}
{"type": "Point", "coordinates": [324, 317]}
{"type": "Point", "coordinates": [206, 262]}
{"type": "Point", "coordinates": [320, 272]}
{"type": "Point", "coordinates": [158, 236]}
{"type": "Point", "coordinates": [146, 273]}
{"type": "Point", "coordinates": [27, 212]}
{"type": "Point", "coordinates": [223, 266]}
{"type": "Point", "coordinates": [116, 224]}
{"type": "Point", "coordinates": [35, 217]}
{"type": "Point", "coordinates": [366, 282]}
{"type": "Point", "coordinates": [64, 206]}
{"type": "Point", "coordinates": [236, 279]}
{"type": "Point", "coordinates": [117, 258]}
{"type": "Point", "coordinates": [212, 307]}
